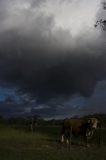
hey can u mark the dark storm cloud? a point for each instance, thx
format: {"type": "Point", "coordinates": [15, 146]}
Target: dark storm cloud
{"type": "Point", "coordinates": [45, 63]}
{"type": "Point", "coordinates": [10, 109]}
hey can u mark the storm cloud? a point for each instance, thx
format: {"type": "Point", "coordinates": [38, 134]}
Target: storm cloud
{"type": "Point", "coordinates": [41, 58]}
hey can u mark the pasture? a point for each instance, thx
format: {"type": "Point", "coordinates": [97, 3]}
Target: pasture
{"type": "Point", "coordinates": [43, 144]}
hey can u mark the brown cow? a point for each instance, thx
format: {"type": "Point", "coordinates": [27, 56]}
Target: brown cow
{"type": "Point", "coordinates": [84, 127]}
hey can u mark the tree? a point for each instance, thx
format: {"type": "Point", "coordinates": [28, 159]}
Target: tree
{"type": "Point", "coordinates": [101, 22]}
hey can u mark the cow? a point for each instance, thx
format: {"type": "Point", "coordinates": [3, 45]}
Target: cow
{"type": "Point", "coordinates": [84, 127]}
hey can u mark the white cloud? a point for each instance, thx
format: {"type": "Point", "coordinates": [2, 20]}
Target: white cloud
{"type": "Point", "coordinates": [74, 16]}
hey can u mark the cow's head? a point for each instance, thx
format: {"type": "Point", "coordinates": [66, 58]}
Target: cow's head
{"type": "Point", "coordinates": [92, 123]}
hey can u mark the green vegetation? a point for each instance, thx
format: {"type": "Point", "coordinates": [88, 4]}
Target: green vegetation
{"type": "Point", "coordinates": [32, 138]}
{"type": "Point", "coordinates": [43, 144]}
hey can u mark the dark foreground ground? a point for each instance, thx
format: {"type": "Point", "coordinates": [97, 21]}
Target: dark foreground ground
{"type": "Point", "coordinates": [43, 144]}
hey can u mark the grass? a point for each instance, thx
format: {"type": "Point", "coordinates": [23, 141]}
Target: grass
{"type": "Point", "coordinates": [43, 144]}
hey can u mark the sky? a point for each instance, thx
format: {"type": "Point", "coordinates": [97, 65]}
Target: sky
{"type": "Point", "coordinates": [52, 58]}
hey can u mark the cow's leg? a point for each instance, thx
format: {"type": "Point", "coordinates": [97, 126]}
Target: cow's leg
{"type": "Point", "coordinates": [89, 134]}
{"type": "Point", "coordinates": [87, 141]}
{"type": "Point", "coordinates": [63, 134]}
{"type": "Point", "coordinates": [62, 138]}
{"type": "Point", "coordinates": [69, 137]}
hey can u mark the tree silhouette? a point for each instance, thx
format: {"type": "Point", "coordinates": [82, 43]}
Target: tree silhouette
{"type": "Point", "coordinates": [101, 23]}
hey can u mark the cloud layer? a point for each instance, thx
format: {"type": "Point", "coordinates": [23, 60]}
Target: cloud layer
{"type": "Point", "coordinates": [42, 58]}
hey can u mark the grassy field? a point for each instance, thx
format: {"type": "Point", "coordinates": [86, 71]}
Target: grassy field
{"type": "Point", "coordinates": [43, 144]}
